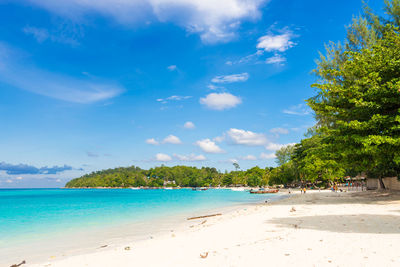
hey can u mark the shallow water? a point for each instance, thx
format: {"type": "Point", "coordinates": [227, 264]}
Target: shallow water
{"type": "Point", "coordinates": [28, 216]}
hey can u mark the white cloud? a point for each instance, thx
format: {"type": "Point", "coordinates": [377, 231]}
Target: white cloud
{"type": "Point", "coordinates": [152, 141]}
{"type": "Point", "coordinates": [191, 157]}
{"type": "Point", "coordinates": [300, 110]}
{"type": "Point", "coordinates": [242, 77]}
{"type": "Point", "coordinates": [214, 87]}
{"type": "Point", "coordinates": [78, 90]}
{"type": "Point", "coordinates": [267, 156]}
{"type": "Point", "coordinates": [171, 67]}
{"type": "Point", "coordinates": [219, 139]}
{"type": "Point", "coordinates": [9, 181]}
{"type": "Point", "coordinates": [189, 125]}
{"type": "Point", "coordinates": [163, 157]}
{"type": "Point", "coordinates": [209, 146]}
{"type": "Point", "coordinates": [276, 59]}
{"type": "Point", "coordinates": [248, 138]}
{"type": "Point", "coordinates": [172, 139]}
{"type": "Point", "coordinates": [39, 34]}
{"type": "Point", "coordinates": [215, 21]}
{"type": "Point", "coordinates": [220, 101]}
{"type": "Point", "coordinates": [173, 98]}
{"type": "Point", "coordinates": [246, 59]}
{"type": "Point", "coordinates": [233, 160]}
{"type": "Point", "coordinates": [279, 130]}
{"type": "Point", "coordinates": [280, 42]}
{"type": "Point", "coordinates": [274, 147]}
{"type": "Point", "coordinates": [249, 157]}
{"type": "Point", "coordinates": [66, 34]}
{"type": "Point", "coordinates": [19, 178]}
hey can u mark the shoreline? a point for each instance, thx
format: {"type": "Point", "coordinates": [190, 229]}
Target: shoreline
{"type": "Point", "coordinates": [105, 237]}
{"type": "Point", "coordinates": [318, 228]}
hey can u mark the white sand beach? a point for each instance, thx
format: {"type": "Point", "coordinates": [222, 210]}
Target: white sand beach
{"type": "Point", "coordinates": [315, 229]}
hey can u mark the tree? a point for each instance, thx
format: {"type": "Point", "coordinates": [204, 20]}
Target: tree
{"type": "Point", "coordinates": [316, 160]}
{"type": "Point", "coordinates": [358, 103]}
{"type": "Point", "coordinates": [284, 154]}
{"type": "Point", "coordinates": [236, 165]}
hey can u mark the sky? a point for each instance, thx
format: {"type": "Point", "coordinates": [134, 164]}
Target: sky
{"type": "Point", "coordinates": [90, 85]}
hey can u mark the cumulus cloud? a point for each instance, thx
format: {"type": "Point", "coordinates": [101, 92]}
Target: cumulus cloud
{"type": "Point", "coordinates": [172, 139]}
{"type": "Point", "coordinates": [79, 90]}
{"type": "Point", "coordinates": [191, 157]}
{"type": "Point", "coordinates": [17, 169]}
{"type": "Point", "coordinates": [279, 130]}
{"type": "Point", "coordinates": [189, 125]}
{"type": "Point", "coordinates": [152, 141]}
{"type": "Point", "coordinates": [215, 21]}
{"type": "Point", "coordinates": [247, 138]}
{"type": "Point", "coordinates": [209, 146]}
{"type": "Point", "coordinates": [171, 67]}
{"type": "Point", "coordinates": [242, 77]}
{"type": "Point", "coordinates": [279, 42]}
{"type": "Point", "coordinates": [220, 101]}
{"type": "Point", "coordinates": [163, 157]}
{"type": "Point", "coordinates": [300, 110]}
{"type": "Point", "coordinates": [267, 155]}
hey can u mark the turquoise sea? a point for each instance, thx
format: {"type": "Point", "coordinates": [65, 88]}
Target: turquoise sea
{"type": "Point", "coordinates": [29, 215]}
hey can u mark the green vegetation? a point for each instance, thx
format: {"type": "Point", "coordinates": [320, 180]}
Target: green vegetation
{"type": "Point", "coordinates": [357, 105]}
{"type": "Point", "coordinates": [357, 108]}
{"type": "Point", "coordinates": [183, 176]}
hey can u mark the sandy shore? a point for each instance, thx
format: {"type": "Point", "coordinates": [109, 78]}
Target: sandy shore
{"type": "Point", "coordinates": [315, 229]}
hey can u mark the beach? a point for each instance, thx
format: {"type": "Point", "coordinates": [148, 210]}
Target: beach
{"type": "Point", "coordinates": [315, 229]}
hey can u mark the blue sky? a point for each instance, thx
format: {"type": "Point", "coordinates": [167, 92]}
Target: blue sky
{"type": "Point", "coordinates": [91, 85]}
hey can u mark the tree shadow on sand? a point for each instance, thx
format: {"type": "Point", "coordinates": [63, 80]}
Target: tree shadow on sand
{"type": "Point", "coordinates": [331, 198]}
{"type": "Point", "coordinates": [360, 223]}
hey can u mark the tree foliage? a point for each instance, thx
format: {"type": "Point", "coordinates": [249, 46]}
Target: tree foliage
{"type": "Point", "coordinates": [357, 105]}
{"type": "Point", "coordinates": [184, 176]}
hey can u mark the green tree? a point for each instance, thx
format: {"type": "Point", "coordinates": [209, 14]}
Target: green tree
{"type": "Point", "coordinates": [284, 154]}
{"type": "Point", "coordinates": [358, 104]}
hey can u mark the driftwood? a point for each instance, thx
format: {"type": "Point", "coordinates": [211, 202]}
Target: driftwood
{"type": "Point", "coordinates": [17, 265]}
{"type": "Point", "coordinates": [204, 255]}
{"type": "Point", "coordinates": [205, 216]}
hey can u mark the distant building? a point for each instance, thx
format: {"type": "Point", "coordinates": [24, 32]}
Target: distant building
{"type": "Point", "coordinates": [169, 182]}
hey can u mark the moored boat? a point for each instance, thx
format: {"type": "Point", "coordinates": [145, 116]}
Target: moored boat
{"type": "Point", "coordinates": [264, 191]}
{"type": "Point", "coordinates": [199, 188]}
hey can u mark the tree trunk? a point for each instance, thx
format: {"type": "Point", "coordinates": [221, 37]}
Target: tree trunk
{"type": "Point", "coordinates": [382, 185]}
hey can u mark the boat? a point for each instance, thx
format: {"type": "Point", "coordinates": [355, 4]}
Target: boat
{"type": "Point", "coordinates": [199, 188]}
{"type": "Point", "coordinates": [264, 191]}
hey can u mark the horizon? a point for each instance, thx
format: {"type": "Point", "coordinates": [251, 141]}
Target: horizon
{"type": "Point", "coordinates": [93, 86]}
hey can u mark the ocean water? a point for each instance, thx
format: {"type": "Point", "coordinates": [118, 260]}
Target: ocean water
{"type": "Point", "coordinates": [29, 215]}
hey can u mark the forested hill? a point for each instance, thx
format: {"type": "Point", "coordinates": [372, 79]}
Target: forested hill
{"type": "Point", "coordinates": [171, 176]}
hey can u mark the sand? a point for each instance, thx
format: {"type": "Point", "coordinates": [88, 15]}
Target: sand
{"type": "Point", "coordinates": [315, 229]}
